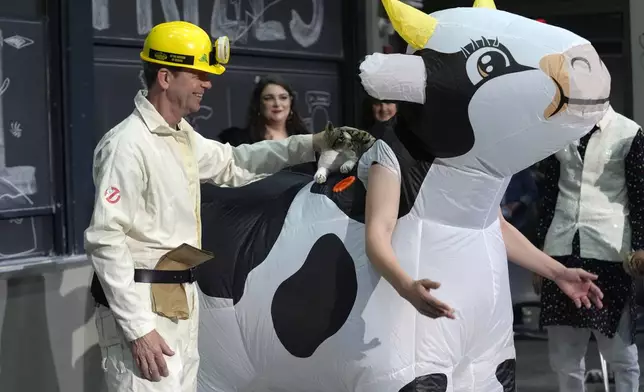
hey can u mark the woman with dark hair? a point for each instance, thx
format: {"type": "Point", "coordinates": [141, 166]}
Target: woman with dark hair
{"type": "Point", "coordinates": [272, 113]}
{"type": "Point", "coordinates": [271, 116]}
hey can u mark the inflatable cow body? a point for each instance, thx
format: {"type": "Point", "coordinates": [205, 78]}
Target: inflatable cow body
{"type": "Point", "coordinates": [291, 302]}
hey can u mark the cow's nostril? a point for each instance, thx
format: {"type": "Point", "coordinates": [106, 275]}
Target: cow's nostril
{"type": "Point", "coordinates": [582, 60]}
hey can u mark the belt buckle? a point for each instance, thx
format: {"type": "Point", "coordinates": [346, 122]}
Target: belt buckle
{"type": "Point", "coordinates": [192, 275]}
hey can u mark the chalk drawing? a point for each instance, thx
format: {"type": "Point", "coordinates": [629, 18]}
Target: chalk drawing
{"type": "Point", "coordinates": [307, 34]}
{"type": "Point", "coordinates": [23, 229]}
{"type": "Point", "coordinates": [250, 18]}
{"type": "Point", "coordinates": [18, 41]}
{"type": "Point", "coordinates": [143, 16]}
{"type": "Point", "coordinates": [220, 25]}
{"type": "Point", "coordinates": [5, 84]}
{"type": "Point", "coordinates": [16, 183]}
{"type": "Point", "coordinates": [254, 19]}
{"type": "Point", "coordinates": [15, 129]}
{"type": "Point", "coordinates": [203, 115]}
{"type": "Point", "coordinates": [101, 14]}
{"type": "Point", "coordinates": [271, 30]}
{"type": "Point", "coordinates": [303, 33]}
{"type": "Point", "coordinates": [317, 104]}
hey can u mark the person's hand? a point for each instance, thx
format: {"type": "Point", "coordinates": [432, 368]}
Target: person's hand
{"type": "Point", "coordinates": [578, 285]}
{"type": "Point", "coordinates": [148, 352]}
{"type": "Point", "coordinates": [418, 294]}
{"type": "Point", "coordinates": [634, 264]}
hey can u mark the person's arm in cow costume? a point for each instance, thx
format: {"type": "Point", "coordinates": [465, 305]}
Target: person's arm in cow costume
{"type": "Point", "coordinates": [576, 283]}
{"type": "Point", "coordinates": [383, 194]}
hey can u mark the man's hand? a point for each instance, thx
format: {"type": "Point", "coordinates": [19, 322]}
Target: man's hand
{"type": "Point", "coordinates": [417, 293]}
{"type": "Point", "coordinates": [634, 265]}
{"type": "Point", "coordinates": [148, 352]}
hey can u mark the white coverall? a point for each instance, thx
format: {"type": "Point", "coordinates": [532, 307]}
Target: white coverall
{"type": "Point", "coordinates": [147, 177]}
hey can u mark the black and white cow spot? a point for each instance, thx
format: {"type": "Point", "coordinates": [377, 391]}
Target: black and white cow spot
{"type": "Point", "coordinates": [314, 303]}
{"type": "Point", "coordinates": [240, 227]}
{"type": "Point", "coordinates": [436, 382]}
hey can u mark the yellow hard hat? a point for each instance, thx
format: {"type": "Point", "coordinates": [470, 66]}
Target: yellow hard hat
{"type": "Point", "coordinates": [183, 44]}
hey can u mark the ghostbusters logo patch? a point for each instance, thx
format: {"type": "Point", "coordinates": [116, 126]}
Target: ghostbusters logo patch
{"type": "Point", "coordinates": [112, 195]}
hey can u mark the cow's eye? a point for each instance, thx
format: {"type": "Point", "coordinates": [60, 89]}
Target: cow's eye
{"type": "Point", "coordinates": [486, 63]}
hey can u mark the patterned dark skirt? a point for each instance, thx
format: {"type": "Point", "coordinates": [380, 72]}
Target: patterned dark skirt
{"type": "Point", "coordinates": [619, 292]}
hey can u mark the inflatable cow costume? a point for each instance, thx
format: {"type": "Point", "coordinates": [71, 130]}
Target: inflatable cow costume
{"type": "Point", "coordinates": [291, 302]}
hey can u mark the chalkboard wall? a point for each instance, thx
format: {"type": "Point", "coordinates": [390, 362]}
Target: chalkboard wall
{"type": "Point", "coordinates": [25, 161]}
{"type": "Point", "coordinates": [309, 27]}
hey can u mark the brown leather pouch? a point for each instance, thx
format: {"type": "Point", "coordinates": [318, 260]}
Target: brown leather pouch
{"type": "Point", "coordinates": [170, 299]}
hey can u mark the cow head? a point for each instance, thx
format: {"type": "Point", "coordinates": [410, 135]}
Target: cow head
{"type": "Point", "coordinates": [486, 89]}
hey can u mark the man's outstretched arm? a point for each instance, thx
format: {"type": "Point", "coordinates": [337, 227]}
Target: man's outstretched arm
{"type": "Point", "coordinates": [222, 164]}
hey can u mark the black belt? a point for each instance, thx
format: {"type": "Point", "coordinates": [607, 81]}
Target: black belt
{"type": "Point", "coordinates": [158, 276]}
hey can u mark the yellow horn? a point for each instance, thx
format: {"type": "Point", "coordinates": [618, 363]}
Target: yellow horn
{"type": "Point", "coordinates": [413, 25]}
{"type": "Point", "coordinates": [484, 4]}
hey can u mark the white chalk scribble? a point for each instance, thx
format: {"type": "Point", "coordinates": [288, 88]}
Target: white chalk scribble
{"type": "Point", "coordinates": [15, 129]}
{"type": "Point", "coordinates": [18, 41]}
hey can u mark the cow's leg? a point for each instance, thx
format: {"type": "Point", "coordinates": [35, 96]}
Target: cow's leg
{"type": "Point", "coordinates": [493, 371]}
{"type": "Point", "coordinates": [486, 376]}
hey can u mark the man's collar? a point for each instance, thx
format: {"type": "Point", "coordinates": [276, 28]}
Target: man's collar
{"type": "Point", "coordinates": [605, 121]}
{"type": "Point", "coordinates": [151, 117]}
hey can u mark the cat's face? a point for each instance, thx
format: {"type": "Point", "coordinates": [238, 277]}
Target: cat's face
{"type": "Point", "coordinates": [347, 138]}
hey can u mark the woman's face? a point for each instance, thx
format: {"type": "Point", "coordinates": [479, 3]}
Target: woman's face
{"type": "Point", "coordinates": [275, 104]}
{"type": "Point", "coordinates": [383, 111]}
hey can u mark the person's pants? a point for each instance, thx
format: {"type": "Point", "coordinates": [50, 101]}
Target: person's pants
{"type": "Point", "coordinates": [567, 349]}
{"type": "Point", "coordinates": [121, 371]}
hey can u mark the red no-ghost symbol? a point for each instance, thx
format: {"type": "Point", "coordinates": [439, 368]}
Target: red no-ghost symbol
{"type": "Point", "coordinates": [112, 195]}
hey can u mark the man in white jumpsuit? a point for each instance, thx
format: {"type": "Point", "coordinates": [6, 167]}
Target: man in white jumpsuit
{"type": "Point", "coordinates": [147, 173]}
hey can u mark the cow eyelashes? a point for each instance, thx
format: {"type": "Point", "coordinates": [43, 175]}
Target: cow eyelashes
{"type": "Point", "coordinates": [486, 62]}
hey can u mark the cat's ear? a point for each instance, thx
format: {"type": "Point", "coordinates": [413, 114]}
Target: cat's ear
{"type": "Point", "coordinates": [329, 126]}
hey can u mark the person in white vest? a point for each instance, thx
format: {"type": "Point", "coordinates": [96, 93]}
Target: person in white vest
{"type": "Point", "coordinates": [592, 216]}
